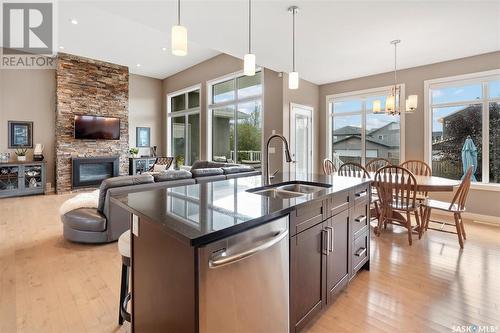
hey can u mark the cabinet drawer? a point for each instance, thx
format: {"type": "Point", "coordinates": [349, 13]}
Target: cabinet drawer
{"type": "Point", "coordinates": [337, 203]}
{"type": "Point", "coordinates": [361, 194]}
{"type": "Point", "coordinates": [360, 217]}
{"type": "Point", "coordinates": [306, 217]}
{"type": "Point", "coordinates": [360, 251]}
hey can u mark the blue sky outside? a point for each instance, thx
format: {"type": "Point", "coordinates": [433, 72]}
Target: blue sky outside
{"type": "Point", "coordinates": [467, 93]}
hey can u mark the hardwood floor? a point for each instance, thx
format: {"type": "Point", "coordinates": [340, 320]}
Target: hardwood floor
{"type": "Point", "coordinates": [50, 285]}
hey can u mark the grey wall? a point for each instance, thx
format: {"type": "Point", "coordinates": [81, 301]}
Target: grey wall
{"type": "Point", "coordinates": [30, 95]}
{"type": "Point", "coordinates": [480, 201]}
{"type": "Point", "coordinates": [145, 110]}
{"type": "Point", "coordinates": [217, 67]}
{"type": "Point", "coordinates": [308, 95]}
{"type": "Point", "coordinates": [276, 98]}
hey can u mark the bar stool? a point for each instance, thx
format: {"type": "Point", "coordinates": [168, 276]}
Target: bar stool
{"type": "Point", "coordinates": [124, 249]}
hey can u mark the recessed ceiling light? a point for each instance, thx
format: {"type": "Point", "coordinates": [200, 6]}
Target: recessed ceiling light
{"type": "Point", "coordinates": [163, 49]}
{"type": "Point", "coordinates": [61, 47]}
{"type": "Point", "coordinates": [74, 21]}
{"type": "Point", "coordinates": [138, 65]}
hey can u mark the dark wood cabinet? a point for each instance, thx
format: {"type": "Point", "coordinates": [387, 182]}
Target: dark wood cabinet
{"type": "Point", "coordinates": [337, 266]}
{"type": "Point", "coordinates": [306, 275]}
{"type": "Point", "coordinates": [326, 251]}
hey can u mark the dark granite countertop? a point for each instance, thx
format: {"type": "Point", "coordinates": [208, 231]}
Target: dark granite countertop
{"type": "Point", "coordinates": [203, 213]}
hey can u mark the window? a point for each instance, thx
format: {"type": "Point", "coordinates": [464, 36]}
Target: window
{"type": "Point", "coordinates": [184, 125]}
{"type": "Point", "coordinates": [236, 120]}
{"type": "Point", "coordinates": [357, 133]}
{"type": "Point", "coordinates": [463, 125]}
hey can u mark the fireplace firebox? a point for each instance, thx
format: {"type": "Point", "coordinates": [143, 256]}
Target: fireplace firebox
{"type": "Point", "coordinates": [91, 171]}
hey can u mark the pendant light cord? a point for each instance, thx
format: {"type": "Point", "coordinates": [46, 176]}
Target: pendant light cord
{"type": "Point", "coordinates": [178, 12]}
{"type": "Point", "coordinates": [293, 40]}
{"type": "Point", "coordinates": [395, 66]}
{"type": "Point", "coordinates": [249, 26]}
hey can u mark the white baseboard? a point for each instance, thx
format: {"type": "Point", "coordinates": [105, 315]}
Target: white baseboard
{"type": "Point", "coordinates": [474, 217]}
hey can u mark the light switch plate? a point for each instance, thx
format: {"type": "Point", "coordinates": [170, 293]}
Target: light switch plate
{"type": "Point", "coordinates": [135, 225]}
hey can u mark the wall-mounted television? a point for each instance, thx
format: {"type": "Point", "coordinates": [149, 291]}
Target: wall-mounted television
{"type": "Point", "coordinates": [97, 128]}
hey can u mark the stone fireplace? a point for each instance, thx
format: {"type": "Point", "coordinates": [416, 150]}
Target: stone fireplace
{"type": "Point", "coordinates": [91, 171]}
{"type": "Point", "coordinates": [89, 87]}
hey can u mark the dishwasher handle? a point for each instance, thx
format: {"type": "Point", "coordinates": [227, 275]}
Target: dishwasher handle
{"type": "Point", "coordinates": [220, 259]}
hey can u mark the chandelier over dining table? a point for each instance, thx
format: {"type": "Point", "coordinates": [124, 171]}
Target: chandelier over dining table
{"type": "Point", "coordinates": [393, 100]}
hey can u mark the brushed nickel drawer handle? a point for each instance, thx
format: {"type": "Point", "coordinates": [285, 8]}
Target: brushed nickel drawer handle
{"type": "Point", "coordinates": [361, 252]}
{"type": "Point", "coordinates": [361, 194]}
{"type": "Point", "coordinates": [326, 241]}
{"type": "Point", "coordinates": [330, 243]}
{"type": "Point", "coordinates": [360, 219]}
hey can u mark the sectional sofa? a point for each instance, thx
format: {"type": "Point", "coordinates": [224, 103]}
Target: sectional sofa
{"type": "Point", "coordinates": [107, 222]}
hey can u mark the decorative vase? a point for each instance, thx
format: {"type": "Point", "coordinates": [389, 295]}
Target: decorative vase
{"type": "Point", "coordinates": [21, 158]}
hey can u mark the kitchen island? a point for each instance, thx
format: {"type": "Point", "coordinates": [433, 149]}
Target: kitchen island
{"type": "Point", "coordinates": [226, 256]}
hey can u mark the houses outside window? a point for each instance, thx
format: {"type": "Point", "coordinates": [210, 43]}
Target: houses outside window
{"type": "Point", "coordinates": [183, 125]}
{"type": "Point", "coordinates": [235, 120]}
{"type": "Point", "coordinates": [357, 134]}
{"type": "Point", "coordinates": [463, 125]}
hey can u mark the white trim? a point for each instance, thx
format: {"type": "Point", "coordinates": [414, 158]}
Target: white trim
{"type": "Point", "coordinates": [482, 78]}
{"type": "Point", "coordinates": [210, 106]}
{"type": "Point", "coordinates": [186, 113]}
{"type": "Point", "coordinates": [365, 93]}
{"type": "Point", "coordinates": [477, 218]}
{"type": "Point", "coordinates": [309, 112]}
{"type": "Point", "coordinates": [485, 187]}
{"type": "Point", "coordinates": [471, 77]}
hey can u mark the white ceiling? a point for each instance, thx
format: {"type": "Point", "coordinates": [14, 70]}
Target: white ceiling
{"type": "Point", "coordinates": [336, 40]}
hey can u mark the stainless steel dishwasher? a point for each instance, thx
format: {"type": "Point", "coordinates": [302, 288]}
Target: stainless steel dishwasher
{"type": "Point", "coordinates": [244, 282]}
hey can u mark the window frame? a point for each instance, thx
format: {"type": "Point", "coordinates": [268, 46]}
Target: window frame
{"type": "Point", "coordinates": [185, 113]}
{"type": "Point", "coordinates": [364, 94]}
{"type": "Point", "coordinates": [482, 78]}
{"type": "Point", "coordinates": [210, 106]}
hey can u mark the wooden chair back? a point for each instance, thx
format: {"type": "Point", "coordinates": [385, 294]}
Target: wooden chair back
{"type": "Point", "coordinates": [328, 166]}
{"type": "Point", "coordinates": [418, 168]}
{"type": "Point", "coordinates": [377, 163]}
{"type": "Point", "coordinates": [353, 170]}
{"type": "Point", "coordinates": [396, 187]}
{"type": "Point", "coordinates": [462, 193]}
{"type": "Point", "coordinates": [163, 160]}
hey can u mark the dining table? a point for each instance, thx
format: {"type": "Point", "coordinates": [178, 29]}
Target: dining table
{"type": "Point", "coordinates": [432, 183]}
{"type": "Point", "coordinates": [427, 184]}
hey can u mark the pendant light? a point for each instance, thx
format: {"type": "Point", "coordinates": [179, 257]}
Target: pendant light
{"type": "Point", "coordinates": [293, 77]}
{"type": "Point", "coordinates": [393, 101]}
{"type": "Point", "coordinates": [249, 59]}
{"type": "Point", "coordinates": [179, 35]}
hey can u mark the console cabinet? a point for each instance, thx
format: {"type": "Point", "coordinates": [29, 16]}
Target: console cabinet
{"type": "Point", "coordinates": [138, 165]}
{"type": "Point", "coordinates": [22, 178]}
{"type": "Point", "coordinates": [329, 243]}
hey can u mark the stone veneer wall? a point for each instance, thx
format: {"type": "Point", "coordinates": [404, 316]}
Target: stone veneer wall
{"type": "Point", "coordinates": [88, 87]}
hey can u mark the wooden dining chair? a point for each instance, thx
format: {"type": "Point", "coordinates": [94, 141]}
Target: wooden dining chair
{"type": "Point", "coordinates": [419, 168]}
{"type": "Point", "coordinates": [373, 166]}
{"type": "Point", "coordinates": [456, 207]}
{"type": "Point", "coordinates": [396, 188]}
{"type": "Point", "coordinates": [377, 163]}
{"type": "Point", "coordinates": [351, 169]}
{"type": "Point", "coordinates": [328, 166]}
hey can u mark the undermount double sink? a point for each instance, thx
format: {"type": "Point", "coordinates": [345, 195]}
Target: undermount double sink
{"type": "Point", "coordinates": [289, 190]}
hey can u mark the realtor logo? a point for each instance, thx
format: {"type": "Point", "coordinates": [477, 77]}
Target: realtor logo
{"type": "Point", "coordinates": [27, 28]}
